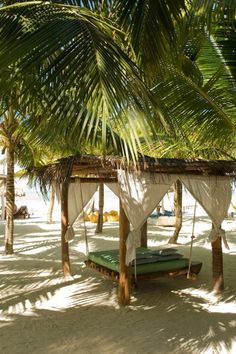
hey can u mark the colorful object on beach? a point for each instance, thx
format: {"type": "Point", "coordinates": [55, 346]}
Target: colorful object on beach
{"type": "Point", "coordinates": [111, 216]}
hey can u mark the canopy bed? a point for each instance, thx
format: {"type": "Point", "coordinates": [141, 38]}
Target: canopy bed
{"type": "Point", "coordinates": [140, 187]}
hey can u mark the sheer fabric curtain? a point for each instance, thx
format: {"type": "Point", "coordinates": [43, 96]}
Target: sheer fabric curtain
{"type": "Point", "coordinates": [140, 193]}
{"type": "Point", "coordinates": [79, 195]}
{"type": "Point", "coordinates": [213, 193]}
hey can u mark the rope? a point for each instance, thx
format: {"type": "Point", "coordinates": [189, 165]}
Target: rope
{"type": "Point", "coordinates": [192, 238]}
{"type": "Point", "coordinates": [85, 229]}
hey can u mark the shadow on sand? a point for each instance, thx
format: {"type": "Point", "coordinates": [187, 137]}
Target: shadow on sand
{"type": "Point", "coordinates": [41, 312]}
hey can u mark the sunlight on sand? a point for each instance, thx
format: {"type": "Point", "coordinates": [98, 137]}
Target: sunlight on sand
{"type": "Point", "coordinates": [211, 301]}
{"type": "Point", "coordinates": [74, 295]}
{"type": "Point", "coordinates": [68, 296]}
{"type": "Point", "coordinates": [59, 315]}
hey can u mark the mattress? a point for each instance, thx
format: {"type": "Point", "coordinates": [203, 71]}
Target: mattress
{"type": "Point", "coordinates": [147, 261]}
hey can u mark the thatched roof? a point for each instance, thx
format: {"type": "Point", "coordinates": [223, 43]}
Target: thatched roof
{"type": "Point", "coordinates": [105, 168]}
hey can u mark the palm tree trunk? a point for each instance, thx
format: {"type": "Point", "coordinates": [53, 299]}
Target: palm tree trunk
{"type": "Point", "coordinates": [217, 265]}
{"type": "Point", "coordinates": [64, 224]}
{"type": "Point", "coordinates": [51, 206]}
{"type": "Point", "coordinates": [178, 198]}
{"type": "Point", "coordinates": [10, 200]}
{"type": "Point", "coordinates": [99, 227]}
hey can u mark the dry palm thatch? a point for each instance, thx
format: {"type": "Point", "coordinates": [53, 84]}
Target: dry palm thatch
{"type": "Point", "coordinates": [104, 168]}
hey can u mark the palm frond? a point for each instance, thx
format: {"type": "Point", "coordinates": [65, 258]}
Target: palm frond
{"type": "Point", "coordinates": [199, 114]}
{"type": "Point", "coordinates": [167, 147]}
{"type": "Point", "coordinates": [150, 26]}
{"type": "Point", "coordinates": [219, 19]}
{"type": "Point", "coordinates": [77, 69]}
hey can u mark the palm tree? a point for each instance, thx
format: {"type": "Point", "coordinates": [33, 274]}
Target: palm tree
{"type": "Point", "coordinates": [199, 135]}
{"type": "Point", "coordinates": [11, 140]}
{"type": "Point", "coordinates": [80, 90]}
{"type": "Point", "coordinates": [107, 86]}
{"type": "Point", "coordinates": [76, 94]}
{"type": "Point", "coordinates": [89, 94]}
{"type": "Point", "coordinates": [10, 191]}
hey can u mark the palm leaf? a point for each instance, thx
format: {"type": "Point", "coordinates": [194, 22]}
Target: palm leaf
{"type": "Point", "coordinates": [199, 114]}
{"type": "Point", "coordinates": [150, 26]}
{"type": "Point", "coordinates": [77, 68]}
{"type": "Point", "coordinates": [219, 17]}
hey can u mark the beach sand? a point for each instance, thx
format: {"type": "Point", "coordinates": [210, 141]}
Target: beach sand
{"type": "Point", "coordinates": [41, 312]}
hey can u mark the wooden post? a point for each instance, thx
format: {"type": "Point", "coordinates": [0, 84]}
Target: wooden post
{"type": "Point", "coordinates": [217, 265]}
{"type": "Point", "coordinates": [144, 235]}
{"type": "Point", "coordinates": [124, 281]}
{"type": "Point", "coordinates": [178, 201]}
{"type": "Point", "coordinates": [52, 202]}
{"type": "Point", "coordinates": [64, 223]}
{"type": "Point", "coordinates": [99, 227]}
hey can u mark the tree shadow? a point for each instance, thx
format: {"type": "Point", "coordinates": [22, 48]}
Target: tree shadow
{"type": "Point", "coordinates": [41, 312]}
{"type": "Point", "coordinates": [164, 317]}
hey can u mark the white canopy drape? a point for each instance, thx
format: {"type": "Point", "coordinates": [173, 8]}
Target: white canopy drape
{"type": "Point", "coordinates": [213, 193]}
{"type": "Point", "coordinates": [114, 187]}
{"type": "Point", "coordinates": [79, 195]}
{"type": "Point", "coordinates": [141, 192]}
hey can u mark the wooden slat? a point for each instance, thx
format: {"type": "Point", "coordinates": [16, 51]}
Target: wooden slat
{"type": "Point", "coordinates": [111, 274]}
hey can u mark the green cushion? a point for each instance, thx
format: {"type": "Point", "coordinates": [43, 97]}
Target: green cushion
{"type": "Point", "coordinates": [110, 259]}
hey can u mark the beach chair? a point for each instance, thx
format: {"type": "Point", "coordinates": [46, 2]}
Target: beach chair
{"type": "Point", "coordinates": [21, 212]}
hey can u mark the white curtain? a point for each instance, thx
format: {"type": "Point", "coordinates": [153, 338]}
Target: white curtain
{"type": "Point", "coordinates": [214, 194]}
{"type": "Point", "coordinates": [79, 196]}
{"type": "Point", "coordinates": [114, 188]}
{"type": "Point", "coordinates": [140, 192]}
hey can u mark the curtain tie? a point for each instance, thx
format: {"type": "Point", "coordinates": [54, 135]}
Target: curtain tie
{"type": "Point", "coordinates": [218, 232]}
{"type": "Point", "coordinates": [133, 241]}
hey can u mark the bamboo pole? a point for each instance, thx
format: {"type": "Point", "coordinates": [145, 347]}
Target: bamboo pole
{"type": "Point", "coordinates": [144, 235]}
{"type": "Point", "coordinates": [178, 202]}
{"type": "Point", "coordinates": [192, 238]}
{"type": "Point", "coordinates": [99, 228]}
{"type": "Point", "coordinates": [124, 280]}
{"type": "Point", "coordinates": [52, 202]}
{"type": "Point", "coordinates": [64, 223]}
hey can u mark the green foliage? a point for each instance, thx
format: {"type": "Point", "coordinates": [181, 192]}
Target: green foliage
{"type": "Point", "coordinates": [82, 72]}
{"type": "Point", "coordinates": [76, 75]}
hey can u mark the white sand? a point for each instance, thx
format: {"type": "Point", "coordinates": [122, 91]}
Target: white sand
{"type": "Point", "coordinates": [41, 312]}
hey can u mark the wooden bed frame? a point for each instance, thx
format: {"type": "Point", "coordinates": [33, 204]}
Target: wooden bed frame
{"type": "Point", "coordinates": [113, 275]}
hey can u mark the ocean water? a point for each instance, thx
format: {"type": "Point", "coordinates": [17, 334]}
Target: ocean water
{"type": "Point", "coordinates": [38, 206]}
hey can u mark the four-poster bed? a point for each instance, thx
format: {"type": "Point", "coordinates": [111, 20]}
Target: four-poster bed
{"type": "Point", "coordinates": [149, 265]}
{"type": "Point", "coordinates": [140, 187]}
